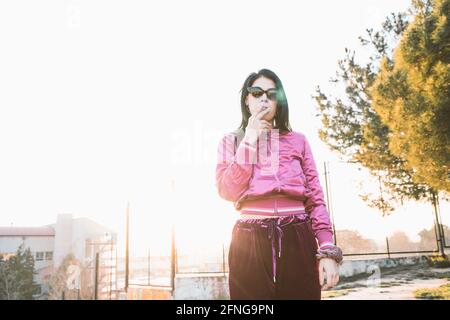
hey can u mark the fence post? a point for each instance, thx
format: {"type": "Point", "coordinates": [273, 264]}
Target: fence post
{"type": "Point", "coordinates": [97, 259]}
{"type": "Point", "coordinates": [176, 261]}
{"type": "Point", "coordinates": [127, 247]}
{"type": "Point", "coordinates": [444, 240]}
{"type": "Point", "coordinates": [173, 261]}
{"type": "Point", "coordinates": [438, 225]}
{"type": "Point", "coordinates": [328, 193]}
{"type": "Point", "coordinates": [223, 259]}
{"type": "Point", "coordinates": [387, 247]}
{"type": "Point", "coordinates": [438, 210]}
{"type": "Point", "coordinates": [148, 268]}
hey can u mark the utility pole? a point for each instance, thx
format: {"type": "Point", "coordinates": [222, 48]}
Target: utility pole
{"type": "Point", "coordinates": [173, 261]}
{"type": "Point", "coordinates": [148, 267]}
{"type": "Point", "coordinates": [110, 264]}
{"type": "Point", "coordinates": [387, 247]}
{"type": "Point", "coordinates": [127, 243]}
{"type": "Point", "coordinates": [327, 187]}
{"type": "Point", "coordinates": [97, 260]}
{"type": "Point", "coordinates": [223, 259]}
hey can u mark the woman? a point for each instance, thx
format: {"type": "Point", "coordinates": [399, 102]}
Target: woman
{"type": "Point", "coordinates": [282, 244]}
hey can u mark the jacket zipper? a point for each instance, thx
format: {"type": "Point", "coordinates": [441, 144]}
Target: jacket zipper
{"type": "Point", "coordinates": [274, 173]}
{"type": "Point", "coordinates": [278, 182]}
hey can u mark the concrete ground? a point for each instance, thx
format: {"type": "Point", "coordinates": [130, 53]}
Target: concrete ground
{"type": "Point", "coordinates": [396, 283]}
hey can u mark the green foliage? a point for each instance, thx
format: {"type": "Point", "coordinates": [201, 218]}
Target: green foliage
{"type": "Point", "coordinates": [16, 276]}
{"type": "Point", "coordinates": [411, 96]}
{"type": "Point", "coordinates": [359, 128]}
{"type": "Point", "coordinates": [336, 293]}
{"type": "Point", "coordinates": [441, 293]}
{"type": "Point", "coordinates": [439, 261]}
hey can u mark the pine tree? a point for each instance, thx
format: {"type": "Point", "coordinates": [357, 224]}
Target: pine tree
{"type": "Point", "coordinates": [17, 276]}
{"type": "Point", "coordinates": [357, 128]}
{"type": "Point", "coordinates": [411, 94]}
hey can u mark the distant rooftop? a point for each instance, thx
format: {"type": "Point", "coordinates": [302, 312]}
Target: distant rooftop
{"type": "Point", "coordinates": [27, 231]}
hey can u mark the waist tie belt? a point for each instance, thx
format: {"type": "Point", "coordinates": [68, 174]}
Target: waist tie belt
{"type": "Point", "coordinates": [275, 233]}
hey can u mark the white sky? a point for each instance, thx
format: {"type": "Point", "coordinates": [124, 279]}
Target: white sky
{"type": "Point", "coordinates": [104, 102]}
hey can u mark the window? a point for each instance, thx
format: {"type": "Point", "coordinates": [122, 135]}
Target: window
{"type": "Point", "coordinates": [39, 256]}
{"type": "Point", "coordinates": [49, 255]}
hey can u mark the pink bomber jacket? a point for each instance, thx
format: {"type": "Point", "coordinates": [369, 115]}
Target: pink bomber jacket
{"type": "Point", "coordinates": [275, 164]}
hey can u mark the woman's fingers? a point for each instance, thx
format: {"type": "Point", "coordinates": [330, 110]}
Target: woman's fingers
{"type": "Point", "coordinates": [332, 279]}
{"type": "Point", "coordinates": [321, 276]}
{"type": "Point", "coordinates": [328, 277]}
{"type": "Point", "coordinates": [261, 114]}
{"type": "Point", "coordinates": [255, 122]}
{"type": "Point", "coordinates": [335, 279]}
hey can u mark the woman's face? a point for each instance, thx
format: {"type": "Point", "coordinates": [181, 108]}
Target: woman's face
{"type": "Point", "coordinates": [256, 104]}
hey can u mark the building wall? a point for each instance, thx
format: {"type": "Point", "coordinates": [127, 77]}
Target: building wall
{"type": "Point", "coordinates": [85, 229]}
{"type": "Point", "coordinates": [63, 238]}
{"type": "Point", "coordinates": [35, 243]}
{"type": "Point", "coordinates": [372, 266]}
{"type": "Point", "coordinates": [201, 286]}
{"type": "Point", "coordinates": [10, 244]}
{"type": "Point", "coordinates": [71, 237]}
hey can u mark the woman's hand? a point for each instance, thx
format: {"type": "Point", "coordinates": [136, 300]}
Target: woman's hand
{"type": "Point", "coordinates": [329, 270]}
{"type": "Point", "coordinates": [256, 124]}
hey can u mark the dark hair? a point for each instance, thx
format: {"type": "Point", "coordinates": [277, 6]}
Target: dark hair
{"type": "Point", "coordinates": [282, 114]}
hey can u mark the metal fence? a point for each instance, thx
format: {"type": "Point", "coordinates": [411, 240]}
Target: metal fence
{"type": "Point", "coordinates": [353, 222]}
{"type": "Point", "coordinates": [344, 185]}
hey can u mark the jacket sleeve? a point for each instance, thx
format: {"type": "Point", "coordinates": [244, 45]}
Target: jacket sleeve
{"type": "Point", "coordinates": [314, 203]}
{"type": "Point", "coordinates": [234, 167]}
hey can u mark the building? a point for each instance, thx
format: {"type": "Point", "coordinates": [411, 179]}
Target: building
{"type": "Point", "coordinates": [80, 238]}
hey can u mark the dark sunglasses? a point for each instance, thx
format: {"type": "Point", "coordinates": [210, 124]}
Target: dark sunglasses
{"type": "Point", "coordinates": [258, 92]}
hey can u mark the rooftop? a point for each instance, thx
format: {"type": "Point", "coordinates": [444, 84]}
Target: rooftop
{"type": "Point", "coordinates": [27, 231]}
